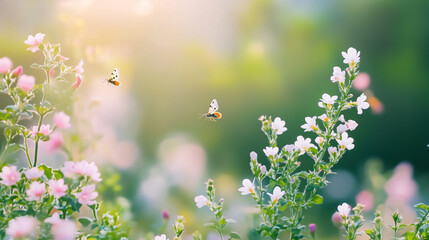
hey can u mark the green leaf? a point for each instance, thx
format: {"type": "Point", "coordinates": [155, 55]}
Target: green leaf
{"type": "Point", "coordinates": [317, 199]}
{"type": "Point", "coordinates": [422, 206]}
{"type": "Point", "coordinates": [222, 222]}
{"type": "Point", "coordinates": [47, 171]}
{"type": "Point", "coordinates": [58, 174]}
{"type": "Point", "coordinates": [234, 235]}
{"type": "Point", "coordinates": [85, 221]}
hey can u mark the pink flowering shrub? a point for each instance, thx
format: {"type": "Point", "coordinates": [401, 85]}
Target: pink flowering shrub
{"type": "Point", "coordinates": [41, 202]}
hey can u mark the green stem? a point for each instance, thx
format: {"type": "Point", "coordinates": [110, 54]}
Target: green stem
{"type": "Point", "coordinates": [420, 224]}
{"type": "Point", "coordinates": [36, 147]}
{"type": "Point", "coordinates": [8, 140]}
{"type": "Point", "coordinates": [26, 151]}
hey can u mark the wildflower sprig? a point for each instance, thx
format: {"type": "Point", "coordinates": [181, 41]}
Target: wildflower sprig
{"type": "Point", "coordinates": [217, 209]}
{"type": "Point", "coordinates": [375, 233]}
{"type": "Point", "coordinates": [351, 222]}
{"type": "Point", "coordinates": [293, 191]}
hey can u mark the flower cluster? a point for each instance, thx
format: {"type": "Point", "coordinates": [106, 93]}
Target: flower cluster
{"type": "Point", "coordinates": [216, 209]}
{"type": "Point", "coordinates": [291, 191]}
{"type": "Point", "coordinates": [40, 202]}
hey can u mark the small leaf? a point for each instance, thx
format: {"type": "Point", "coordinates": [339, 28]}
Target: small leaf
{"type": "Point", "coordinates": [317, 199]}
{"type": "Point", "coordinates": [234, 235]}
{"type": "Point", "coordinates": [422, 206]}
{"type": "Point", "coordinates": [47, 171]}
{"type": "Point", "coordinates": [85, 221]}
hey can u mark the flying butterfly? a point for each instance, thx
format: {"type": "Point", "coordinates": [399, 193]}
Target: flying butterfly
{"type": "Point", "coordinates": [114, 77]}
{"type": "Point", "coordinates": [212, 114]}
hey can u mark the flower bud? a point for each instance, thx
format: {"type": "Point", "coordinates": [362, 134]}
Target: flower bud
{"type": "Point", "coordinates": [253, 156]}
{"type": "Point", "coordinates": [16, 72]}
{"type": "Point", "coordinates": [78, 81]}
{"type": "Point", "coordinates": [165, 215]}
{"type": "Point", "coordinates": [312, 228]}
{"type": "Point", "coordinates": [51, 73]}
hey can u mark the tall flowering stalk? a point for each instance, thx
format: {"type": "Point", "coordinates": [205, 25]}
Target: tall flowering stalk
{"type": "Point", "coordinates": [280, 190]}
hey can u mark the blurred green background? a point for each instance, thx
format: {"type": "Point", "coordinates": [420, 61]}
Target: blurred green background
{"type": "Point", "coordinates": [256, 57]}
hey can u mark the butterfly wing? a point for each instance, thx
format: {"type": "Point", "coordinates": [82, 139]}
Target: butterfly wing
{"type": "Point", "coordinates": [213, 106]}
{"type": "Point", "coordinates": [114, 77]}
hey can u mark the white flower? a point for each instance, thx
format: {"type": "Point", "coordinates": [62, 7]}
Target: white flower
{"type": "Point", "coordinates": [162, 237]}
{"type": "Point", "coordinates": [310, 124]}
{"type": "Point", "coordinates": [289, 148]}
{"type": "Point", "coordinates": [344, 210]}
{"type": "Point", "coordinates": [253, 156]}
{"type": "Point", "coordinates": [248, 187]}
{"type": "Point", "coordinates": [361, 104]}
{"type": "Point", "coordinates": [277, 194]}
{"type": "Point", "coordinates": [328, 100]}
{"type": "Point", "coordinates": [351, 125]}
{"type": "Point", "coordinates": [338, 75]}
{"type": "Point", "coordinates": [345, 142]}
{"type": "Point", "coordinates": [324, 117]}
{"type": "Point", "coordinates": [319, 140]}
{"type": "Point", "coordinates": [271, 152]}
{"type": "Point", "coordinates": [351, 57]}
{"type": "Point", "coordinates": [201, 201]}
{"type": "Point", "coordinates": [303, 145]}
{"type": "Point", "coordinates": [263, 168]}
{"type": "Point", "coordinates": [342, 128]}
{"type": "Point", "coordinates": [278, 125]}
{"type": "Point", "coordinates": [341, 118]}
{"type": "Point", "coordinates": [332, 151]}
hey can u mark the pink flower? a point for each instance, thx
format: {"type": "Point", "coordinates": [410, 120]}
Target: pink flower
{"type": "Point", "coordinates": [45, 129]}
{"type": "Point", "coordinates": [5, 65]}
{"type": "Point", "coordinates": [57, 188]}
{"type": "Point", "coordinates": [64, 230]}
{"type": "Point", "coordinates": [17, 71]}
{"type": "Point", "coordinates": [33, 173]}
{"type": "Point", "coordinates": [78, 81]}
{"type": "Point", "coordinates": [22, 227]}
{"type": "Point", "coordinates": [79, 69]}
{"type": "Point", "coordinates": [55, 142]}
{"type": "Point", "coordinates": [61, 120]}
{"type": "Point", "coordinates": [165, 215]}
{"type": "Point", "coordinates": [336, 218]}
{"type": "Point", "coordinates": [401, 188]}
{"type": "Point", "coordinates": [36, 190]}
{"type": "Point", "coordinates": [9, 175]}
{"type": "Point", "coordinates": [34, 41]}
{"type": "Point", "coordinates": [54, 219]}
{"type": "Point", "coordinates": [312, 227]}
{"type": "Point", "coordinates": [68, 169]}
{"type": "Point", "coordinates": [87, 195]}
{"type": "Point", "coordinates": [367, 199]}
{"type": "Point", "coordinates": [87, 169]}
{"type": "Point", "coordinates": [361, 81]}
{"type": "Point", "coordinates": [26, 83]}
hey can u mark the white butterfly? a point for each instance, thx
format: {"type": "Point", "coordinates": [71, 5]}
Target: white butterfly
{"type": "Point", "coordinates": [212, 114]}
{"type": "Point", "coordinates": [114, 77]}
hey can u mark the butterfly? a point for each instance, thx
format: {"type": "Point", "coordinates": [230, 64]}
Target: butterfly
{"type": "Point", "coordinates": [114, 77]}
{"type": "Point", "coordinates": [212, 114]}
